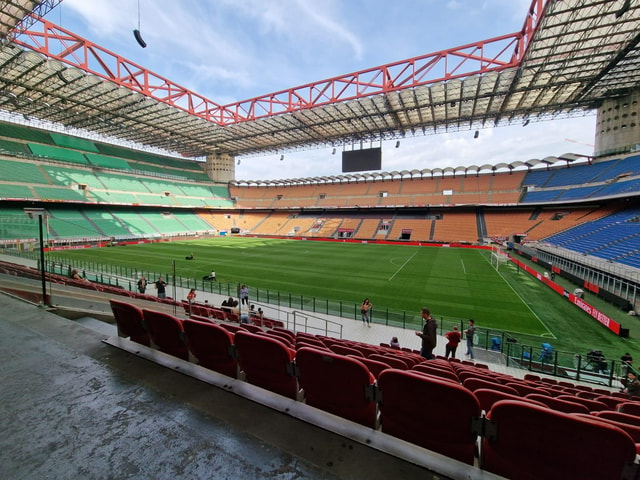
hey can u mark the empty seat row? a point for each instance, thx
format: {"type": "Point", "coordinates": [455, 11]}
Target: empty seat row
{"type": "Point", "coordinates": [436, 413]}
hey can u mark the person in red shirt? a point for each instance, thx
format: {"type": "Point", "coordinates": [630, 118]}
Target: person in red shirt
{"type": "Point", "coordinates": [453, 338]}
{"type": "Point", "coordinates": [191, 296]}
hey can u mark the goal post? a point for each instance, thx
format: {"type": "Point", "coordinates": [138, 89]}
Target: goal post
{"type": "Point", "coordinates": [498, 257]}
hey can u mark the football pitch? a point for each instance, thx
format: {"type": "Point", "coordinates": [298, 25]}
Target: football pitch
{"type": "Point", "coordinates": [455, 283]}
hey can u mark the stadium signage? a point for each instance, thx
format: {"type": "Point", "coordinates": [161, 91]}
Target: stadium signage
{"type": "Point", "coordinates": [595, 313]}
{"type": "Point", "coordinates": [577, 301]}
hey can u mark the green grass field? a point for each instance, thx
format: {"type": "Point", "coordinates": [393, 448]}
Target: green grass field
{"type": "Point", "coordinates": [455, 283]}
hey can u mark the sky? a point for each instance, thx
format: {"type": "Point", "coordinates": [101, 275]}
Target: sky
{"type": "Point", "coordinates": [234, 50]}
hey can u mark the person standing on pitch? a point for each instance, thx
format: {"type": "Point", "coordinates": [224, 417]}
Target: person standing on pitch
{"type": "Point", "coordinates": [428, 334]}
{"type": "Point", "coordinates": [469, 333]}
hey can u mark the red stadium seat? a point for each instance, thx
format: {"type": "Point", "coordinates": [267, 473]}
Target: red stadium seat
{"type": "Point", "coordinates": [270, 323]}
{"type": "Point", "coordinates": [632, 408]}
{"type": "Point", "coordinates": [212, 346]}
{"type": "Point", "coordinates": [337, 384]}
{"type": "Point", "coordinates": [526, 389]}
{"type": "Point", "coordinates": [252, 328]}
{"type": "Point", "coordinates": [632, 430]}
{"type": "Point", "coordinates": [558, 404]}
{"type": "Point", "coordinates": [267, 363]}
{"type": "Point", "coordinates": [592, 405]}
{"type": "Point", "coordinates": [303, 343]}
{"type": "Point", "coordinates": [433, 413]}
{"type": "Point", "coordinates": [345, 350]}
{"type": "Point", "coordinates": [618, 417]}
{"type": "Point", "coordinates": [374, 366]}
{"type": "Point", "coordinates": [487, 397]}
{"type": "Point", "coordinates": [201, 319]}
{"type": "Point", "coordinates": [166, 333]}
{"type": "Point", "coordinates": [426, 367]}
{"type": "Point", "coordinates": [285, 331]}
{"type": "Point", "coordinates": [231, 327]}
{"type": "Point", "coordinates": [218, 314]}
{"type": "Point", "coordinates": [366, 350]}
{"type": "Point", "coordinates": [533, 443]}
{"type": "Point", "coordinates": [310, 342]}
{"type": "Point", "coordinates": [392, 360]}
{"type": "Point", "coordinates": [280, 336]}
{"type": "Point", "coordinates": [476, 383]}
{"type": "Point", "coordinates": [130, 322]}
{"type": "Point", "coordinates": [611, 402]}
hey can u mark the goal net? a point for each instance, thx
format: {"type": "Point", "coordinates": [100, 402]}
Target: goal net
{"type": "Point", "coordinates": [498, 257]}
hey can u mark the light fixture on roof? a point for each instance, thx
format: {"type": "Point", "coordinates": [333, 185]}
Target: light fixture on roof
{"type": "Point", "coordinates": [477, 134]}
{"type": "Point", "coordinates": [136, 32]}
{"type": "Point", "coordinates": [333, 152]}
{"type": "Point", "coordinates": [526, 122]}
{"type": "Point", "coordinates": [397, 143]}
{"type": "Point", "coordinates": [282, 157]}
{"type": "Point", "coordinates": [238, 161]}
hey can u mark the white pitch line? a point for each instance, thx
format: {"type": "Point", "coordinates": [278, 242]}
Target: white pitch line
{"type": "Point", "coordinates": [463, 269]}
{"type": "Point", "coordinates": [551, 335]}
{"type": "Point", "coordinates": [402, 266]}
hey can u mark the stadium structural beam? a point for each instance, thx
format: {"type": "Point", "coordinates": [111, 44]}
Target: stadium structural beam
{"type": "Point", "coordinates": [56, 42]}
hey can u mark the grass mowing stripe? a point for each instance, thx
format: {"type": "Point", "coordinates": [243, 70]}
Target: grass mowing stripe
{"type": "Point", "coordinates": [348, 272]}
{"type": "Point", "coordinates": [549, 333]}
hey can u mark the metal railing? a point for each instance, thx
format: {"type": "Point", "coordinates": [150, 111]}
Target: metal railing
{"type": "Point", "coordinates": [315, 325]}
{"type": "Point", "coordinates": [516, 350]}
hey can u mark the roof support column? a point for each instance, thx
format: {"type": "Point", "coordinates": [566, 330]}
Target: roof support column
{"type": "Point", "coordinates": [220, 168]}
{"type": "Point", "coordinates": [618, 125]}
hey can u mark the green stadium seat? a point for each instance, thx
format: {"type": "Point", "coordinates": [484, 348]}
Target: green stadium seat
{"type": "Point", "coordinates": [57, 153]}
{"type": "Point", "coordinates": [21, 172]}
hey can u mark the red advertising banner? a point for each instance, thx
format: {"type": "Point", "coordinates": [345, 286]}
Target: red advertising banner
{"type": "Point", "coordinates": [577, 301]}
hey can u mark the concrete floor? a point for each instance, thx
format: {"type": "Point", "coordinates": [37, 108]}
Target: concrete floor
{"type": "Point", "coordinates": [74, 407]}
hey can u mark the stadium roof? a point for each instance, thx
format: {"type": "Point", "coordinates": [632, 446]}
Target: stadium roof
{"type": "Point", "coordinates": [567, 58]}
